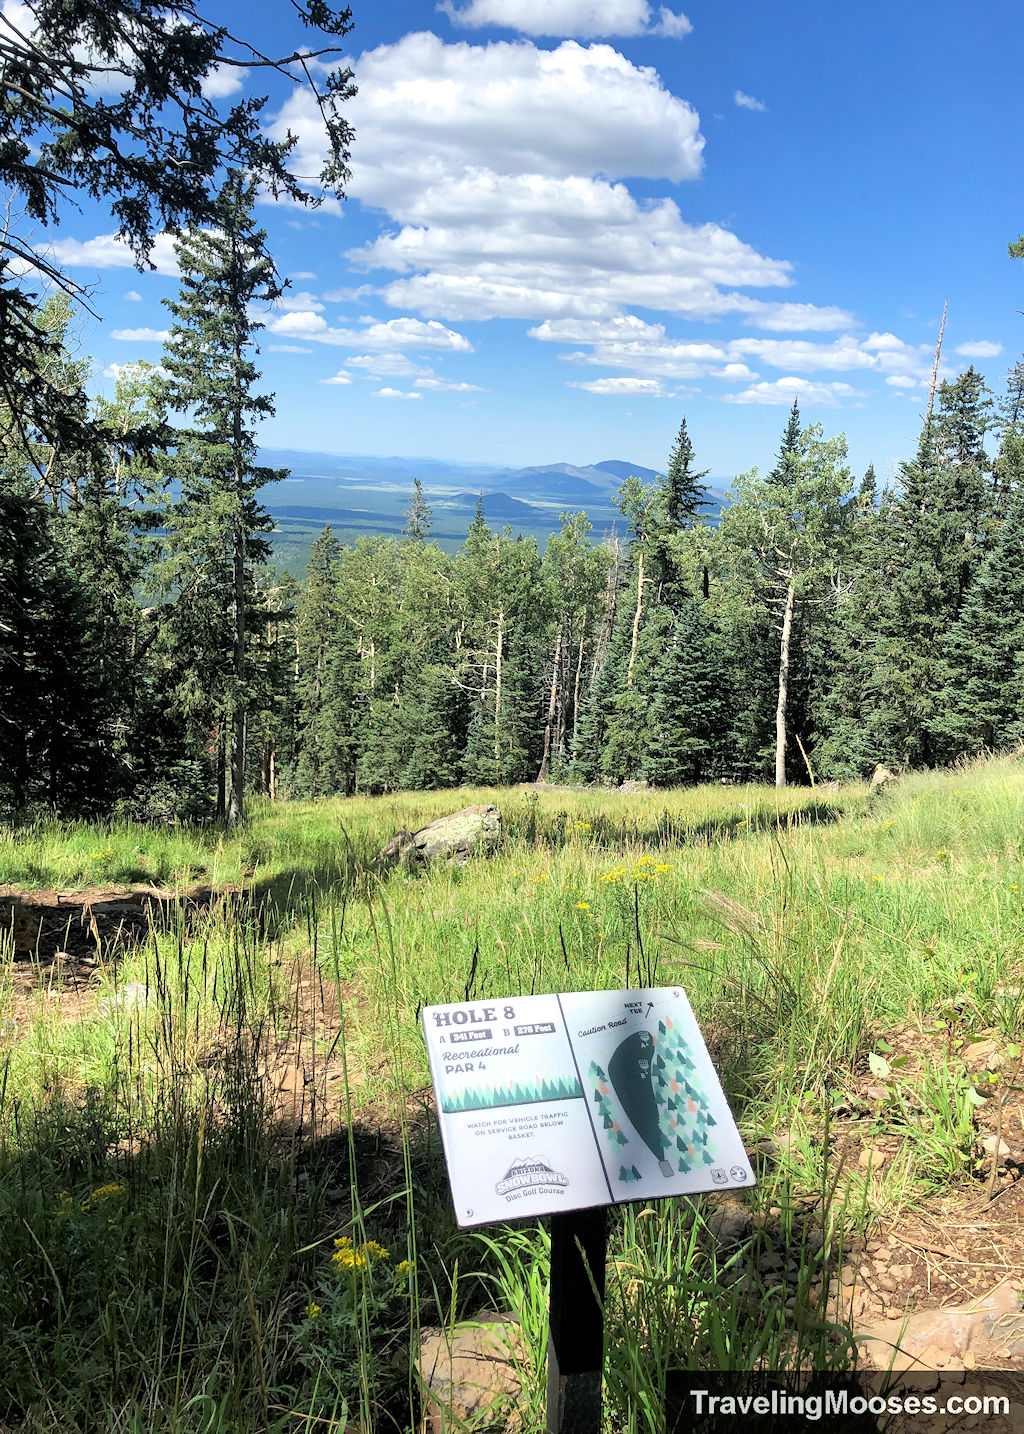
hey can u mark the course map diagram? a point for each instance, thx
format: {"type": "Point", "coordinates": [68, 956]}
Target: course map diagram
{"type": "Point", "coordinates": [586, 1098]}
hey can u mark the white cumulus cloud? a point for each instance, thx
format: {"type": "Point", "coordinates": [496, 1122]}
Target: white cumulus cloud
{"type": "Point", "coordinates": [222, 81]}
{"type": "Point", "coordinates": [504, 171]}
{"type": "Point", "coordinates": [443, 385]}
{"type": "Point", "coordinates": [784, 390]}
{"type": "Point", "coordinates": [132, 297]}
{"type": "Point", "coordinates": [340, 377]}
{"type": "Point", "coordinates": [748, 102]}
{"type": "Point", "coordinates": [980, 348]}
{"type": "Point", "coordinates": [627, 342]}
{"type": "Point", "coordinates": [394, 393]}
{"type": "Point", "coordinates": [583, 18]}
{"type": "Point", "coordinates": [287, 349]}
{"type": "Point", "coordinates": [293, 300]}
{"type": "Point", "coordinates": [133, 370]}
{"type": "Point", "coordinates": [624, 387]}
{"type": "Point", "coordinates": [389, 365]}
{"type": "Point", "coordinates": [379, 334]}
{"type": "Point", "coordinates": [141, 336]}
{"type": "Point", "coordinates": [108, 251]}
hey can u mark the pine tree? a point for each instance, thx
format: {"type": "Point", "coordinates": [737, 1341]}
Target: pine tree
{"type": "Point", "coordinates": [417, 516]}
{"type": "Point", "coordinates": [218, 523]}
{"type": "Point", "coordinates": [932, 537]}
{"type": "Point", "coordinates": [688, 711]}
{"type": "Point", "coordinates": [679, 499]}
{"type": "Point", "coordinates": [684, 493]}
{"type": "Point", "coordinates": [323, 677]}
{"type": "Point", "coordinates": [980, 705]}
{"type": "Point", "coordinates": [782, 531]}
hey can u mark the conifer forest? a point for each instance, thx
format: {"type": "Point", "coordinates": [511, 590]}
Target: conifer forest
{"type": "Point", "coordinates": [156, 666]}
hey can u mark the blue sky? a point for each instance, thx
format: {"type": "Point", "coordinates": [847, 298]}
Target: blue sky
{"type": "Point", "coordinates": [556, 244]}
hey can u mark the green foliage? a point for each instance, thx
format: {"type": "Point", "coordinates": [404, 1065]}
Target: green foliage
{"type": "Point", "coordinates": [108, 100]}
{"type": "Point", "coordinates": [689, 714]}
{"type": "Point", "coordinates": [167, 1248]}
{"type": "Point", "coordinates": [214, 532]}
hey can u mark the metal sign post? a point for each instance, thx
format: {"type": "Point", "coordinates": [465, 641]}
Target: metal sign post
{"type": "Point", "coordinates": [576, 1321]}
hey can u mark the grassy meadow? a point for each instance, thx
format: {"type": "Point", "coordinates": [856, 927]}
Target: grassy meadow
{"type": "Point", "coordinates": [181, 1249]}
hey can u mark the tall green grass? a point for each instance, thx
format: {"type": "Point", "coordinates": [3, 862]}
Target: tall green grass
{"type": "Point", "coordinates": [168, 1255]}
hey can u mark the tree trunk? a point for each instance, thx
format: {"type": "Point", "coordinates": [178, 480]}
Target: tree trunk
{"type": "Point", "coordinates": [221, 772]}
{"type": "Point", "coordinates": [611, 590]}
{"type": "Point", "coordinates": [236, 800]}
{"type": "Point", "coordinates": [498, 651]}
{"type": "Point", "coordinates": [545, 761]}
{"type": "Point", "coordinates": [636, 619]}
{"type": "Point", "coordinates": [236, 791]}
{"type": "Point", "coordinates": [780, 711]}
{"type": "Point", "coordinates": [579, 672]}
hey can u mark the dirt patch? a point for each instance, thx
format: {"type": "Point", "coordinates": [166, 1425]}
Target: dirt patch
{"type": "Point", "coordinates": [946, 1250]}
{"type": "Point", "coordinates": [62, 939]}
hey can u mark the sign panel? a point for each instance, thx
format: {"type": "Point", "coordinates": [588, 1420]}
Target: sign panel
{"type": "Point", "coordinates": [588, 1098]}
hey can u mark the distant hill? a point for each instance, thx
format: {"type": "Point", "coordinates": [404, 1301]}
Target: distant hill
{"type": "Point", "coordinates": [622, 471]}
{"type": "Point", "coordinates": [498, 507]}
{"type": "Point", "coordinates": [366, 495]}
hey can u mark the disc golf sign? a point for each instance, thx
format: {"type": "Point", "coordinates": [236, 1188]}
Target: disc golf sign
{"type": "Point", "coordinates": [565, 1102]}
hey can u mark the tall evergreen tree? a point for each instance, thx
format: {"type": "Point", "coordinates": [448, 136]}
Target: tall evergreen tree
{"type": "Point", "coordinates": [324, 682]}
{"type": "Point", "coordinates": [980, 673]}
{"type": "Point", "coordinates": [688, 714]}
{"type": "Point", "coordinates": [218, 525]}
{"type": "Point", "coordinates": [417, 515]}
{"type": "Point", "coordinates": [788, 524]}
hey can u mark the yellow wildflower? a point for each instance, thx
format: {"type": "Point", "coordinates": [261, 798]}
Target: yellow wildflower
{"type": "Point", "coordinates": [103, 1194]}
{"type": "Point", "coordinates": [357, 1257]}
{"type": "Point", "coordinates": [402, 1268]}
{"type": "Point", "coordinates": [313, 1311]}
{"type": "Point", "coordinates": [642, 859]}
{"type": "Point", "coordinates": [876, 878]}
{"type": "Point", "coordinates": [583, 906]}
{"type": "Point", "coordinates": [663, 866]}
{"type": "Point", "coordinates": [1014, 886]}
{"type": "Point", "coordinates": [583, 826]}
{"type": "Point", "coordinates": [541, 876]}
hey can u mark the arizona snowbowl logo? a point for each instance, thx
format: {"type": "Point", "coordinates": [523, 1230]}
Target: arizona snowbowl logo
{"type": "Point", "coordinates": [522, 1174]}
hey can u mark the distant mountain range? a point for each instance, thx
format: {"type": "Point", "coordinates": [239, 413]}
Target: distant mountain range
{"type": "Point", "coordinates": [367, 495]}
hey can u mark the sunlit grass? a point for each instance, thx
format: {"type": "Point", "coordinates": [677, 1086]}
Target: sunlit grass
{"type": "Point", "coordinates": [803, 924]}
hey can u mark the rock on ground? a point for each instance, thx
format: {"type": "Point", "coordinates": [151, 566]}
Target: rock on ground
{"type": "Point", "coordinates": [986, 1332]}
{"type": "Point", "coordinates": [470, 1375]}
{"type": "Point", "coordinates": [475, 831]}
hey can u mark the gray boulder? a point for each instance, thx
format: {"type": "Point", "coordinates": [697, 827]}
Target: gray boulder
{"type": "Point", "coordinates": [475, 831]}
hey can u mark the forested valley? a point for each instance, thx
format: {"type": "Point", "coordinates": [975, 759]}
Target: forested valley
{"type": "Point", "coordinates": [154, 665]}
